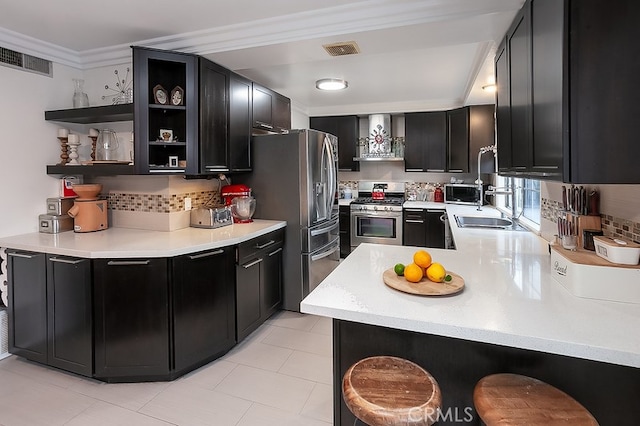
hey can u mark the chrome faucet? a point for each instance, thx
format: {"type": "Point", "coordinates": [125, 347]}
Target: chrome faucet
{"type": "Point", "coordinates": [484, 149]}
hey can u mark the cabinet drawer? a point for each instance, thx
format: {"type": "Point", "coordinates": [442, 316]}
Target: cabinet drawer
{"type": "Point", "coordinates": [268, 241]}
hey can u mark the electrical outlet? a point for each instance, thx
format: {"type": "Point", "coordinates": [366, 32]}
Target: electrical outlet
{"type": "Point", "coordinates": [187, 203]}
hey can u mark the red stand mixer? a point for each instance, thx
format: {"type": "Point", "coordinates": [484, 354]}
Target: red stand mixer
{"type": "Point", "coordinates": [242, 204]}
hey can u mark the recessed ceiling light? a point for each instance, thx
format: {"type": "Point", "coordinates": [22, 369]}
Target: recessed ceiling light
{"type": "Point", "coordinates": [331, 84]}
{"type": "Point", "coordinates": [489, 88]}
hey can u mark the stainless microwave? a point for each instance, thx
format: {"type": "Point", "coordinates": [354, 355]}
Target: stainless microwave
{"type": "Point", "coordinates": [461, 193]}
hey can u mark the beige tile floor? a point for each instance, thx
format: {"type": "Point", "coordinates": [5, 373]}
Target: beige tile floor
{"type": "Point", "coordinates": [280, 375]}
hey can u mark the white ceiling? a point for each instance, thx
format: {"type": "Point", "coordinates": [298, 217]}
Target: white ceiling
{"type": "Point", "coordinates": [415, 54]}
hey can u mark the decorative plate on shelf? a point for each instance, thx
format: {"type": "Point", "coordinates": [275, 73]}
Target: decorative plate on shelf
{"type": "Point", "coordinates": [177, 96]}
{"type": "Point", "coordinates": [160, 95]}
{"type": "Point", "coordinates": [424, 287]}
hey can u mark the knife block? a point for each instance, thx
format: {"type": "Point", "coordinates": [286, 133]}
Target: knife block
{"type": "Point", "coordinates": [584, 222]}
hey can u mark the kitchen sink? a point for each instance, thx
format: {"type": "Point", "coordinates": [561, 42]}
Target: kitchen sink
{"type": "Point", "coordinates": [487, 222]}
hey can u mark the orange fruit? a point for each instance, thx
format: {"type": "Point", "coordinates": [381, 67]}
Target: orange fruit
{"type": "Point", "coordinates": [422, 259]}
{"type": "Point", "coordinates": [412, 273]}
{"type": "Point", "coordinates": [436, 272]}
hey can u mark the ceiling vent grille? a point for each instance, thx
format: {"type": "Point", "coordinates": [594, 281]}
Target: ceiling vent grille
{"type": "Point", "coordinates": [25, 62]}
{"type": "Point", "coordinates": [342, 48]}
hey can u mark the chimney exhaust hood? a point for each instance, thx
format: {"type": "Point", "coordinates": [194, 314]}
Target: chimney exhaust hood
{"type": "Point", "coordinates": [380, 145]}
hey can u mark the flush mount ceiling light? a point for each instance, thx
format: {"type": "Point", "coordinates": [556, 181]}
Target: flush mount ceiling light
{"type": "Point", "coordinates": [331, 84]}
{"type": "Point", "coordinates": [489, 88]}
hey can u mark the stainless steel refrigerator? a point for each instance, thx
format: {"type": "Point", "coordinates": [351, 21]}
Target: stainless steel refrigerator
{"type": "Point", "coordinates": [295, 179]}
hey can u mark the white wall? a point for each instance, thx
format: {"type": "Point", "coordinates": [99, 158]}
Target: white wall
{"type": "Point", "coordinates": [28, 143]}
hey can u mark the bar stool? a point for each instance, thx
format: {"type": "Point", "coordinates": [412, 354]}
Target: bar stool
{"type": "Point", "coordinates": [386, 390]}
{"type": "Point", "coordinates": [512, 399]}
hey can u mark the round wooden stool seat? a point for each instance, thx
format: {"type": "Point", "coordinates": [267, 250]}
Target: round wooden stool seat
{"type": "Point", "coordinates": [512, 399]}
{"type": "Point", "coordinates": [385, 390]}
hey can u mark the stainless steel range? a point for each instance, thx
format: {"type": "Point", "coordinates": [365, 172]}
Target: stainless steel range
{"type": "Point", "coordinates": [376, 216]}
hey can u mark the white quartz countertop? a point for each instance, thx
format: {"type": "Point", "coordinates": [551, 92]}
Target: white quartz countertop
{"type": "Point", "coordinates": [137, 243]}
{"type": "Point", "coordinates": [510, 297]}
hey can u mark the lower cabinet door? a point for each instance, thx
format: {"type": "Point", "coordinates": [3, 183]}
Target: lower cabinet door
{"type": "Point", "coordinates": [271, 287]}
{"type": "Point", "coordinates": [435, 235]}
{"type": "Point", "coordinates": [248, 297]}
{"type": "Point", "coordinates": [70, 323]}
{"type": "Point", "coordinates": [27, 292]}
{"type": "Point", "coordinates": [131, 305]}
{"type": "Point", "coordinates": [204, 313]}
{"type": "Point", "coordinates": [414, 228]}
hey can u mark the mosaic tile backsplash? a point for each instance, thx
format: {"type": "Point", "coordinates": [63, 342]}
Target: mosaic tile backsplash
{"type": "Point", "coordinates": [611, 226]}
{"type": "Point", "coordinates": [161, 203]}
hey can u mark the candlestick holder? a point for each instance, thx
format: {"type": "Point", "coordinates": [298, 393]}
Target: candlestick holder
{"type": "Point", "coordinates": [64, 148]}
{"type": "Point", "coordinates": [93, 147]}
{"type": "Point", "coordinates": [73, 153]}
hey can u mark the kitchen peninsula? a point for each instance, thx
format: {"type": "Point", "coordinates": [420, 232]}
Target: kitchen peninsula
{"type": "Point", "coordinates": [129, 305]}
{"type": "Point", "coordinates": [512, 316]}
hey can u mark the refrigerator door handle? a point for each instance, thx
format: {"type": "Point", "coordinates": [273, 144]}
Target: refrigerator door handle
{"type": "Point", "coordinates": [325, 253]}
{"type": "Point", "coordinates": [331, 176]}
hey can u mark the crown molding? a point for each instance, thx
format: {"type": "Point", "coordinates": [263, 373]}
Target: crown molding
{"type": "Point", "coordinates": [346, 19]}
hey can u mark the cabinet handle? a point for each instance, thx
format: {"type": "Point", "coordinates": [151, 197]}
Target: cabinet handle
{"type": "Point", "coordinates": [267, 244]}
{"type": "Point", "coordinates": [434, 210]}
{"type": "Point", "coordinates": [413, 210]}
{"type": "Point", "coordinates": [443, 218]}
{"type": "Point", "coordinates": [413, 170]}
{"type": "Point", "coordinates": [436, 170]}
{"type": "Point", "coordinates": [456, 170]}
{"type": "Point", "coordinates": [249, 265]}
{"type": "Point", "coordinates": [266, 126]}
{"type": "Point", "coordinates": [217, 168]}
{"type": "Point", "coordinates": [201, 255]}
{"type": "Point", "coordinates": [127, 262]}
{"type": "Point", "coordinates": [70, 262]}
{"type": "Point", "coordinates": [413, 221]}
{"type": "Point", "coordinates": [275, 251]}
{"type": "Point", "coordinates": [26, 256]}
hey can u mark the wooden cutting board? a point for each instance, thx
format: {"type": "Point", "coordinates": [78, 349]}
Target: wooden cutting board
{"type": "Point", "coordinates": [424, 287]}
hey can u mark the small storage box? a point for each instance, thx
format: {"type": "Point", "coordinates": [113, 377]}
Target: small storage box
{"type": "Point", "coordinates": [59, 206]}
{"type": "Point", "coordinates": [53, 224]}
{"type": "Point", "coordinates": [617, 250]}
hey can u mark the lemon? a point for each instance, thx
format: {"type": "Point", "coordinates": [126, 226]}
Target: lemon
{"type": "Point", "coordinates": [412, 273]}
{"type": "Point", "coordinates": [422, 258]}
{"type": "Point", "coordinates": [436, 272]}
{"type": "Point", "coordinates": [399, 269]}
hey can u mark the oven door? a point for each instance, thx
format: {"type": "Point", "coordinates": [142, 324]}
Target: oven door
{"type": "Point", "coordinates": [376, 227]}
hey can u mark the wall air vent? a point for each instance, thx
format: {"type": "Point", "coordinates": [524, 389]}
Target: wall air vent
{"type": "Point", "coordinates": [25, 62]}
{"type": "Point", "coordinates": [342, 48]}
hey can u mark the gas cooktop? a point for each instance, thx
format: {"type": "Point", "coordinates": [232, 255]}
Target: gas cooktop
{"type": "Point", "coordinates": [385, 201]}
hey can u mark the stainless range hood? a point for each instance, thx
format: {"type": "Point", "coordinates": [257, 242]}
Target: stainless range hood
{"type": "Point", "coordinates": [380, 145]}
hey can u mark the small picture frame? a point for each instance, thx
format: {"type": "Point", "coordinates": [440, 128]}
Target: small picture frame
{"type": "Point", "coordinates": [173, 161]}
{"type": "Point", "coordinates": [160, 95]}
{"type": "Point", "coordinates": [166, 135]}
{"type": "Point", "coordinates": [177, 96]}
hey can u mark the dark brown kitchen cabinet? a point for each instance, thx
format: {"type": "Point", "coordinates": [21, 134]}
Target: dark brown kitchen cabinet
{"type": "Point", "coordinates": [258, 281]}
{"type": "Point", "coordinates": [165, 126]}
{"type": "Point", "coordinates": [271, 110]}
{"type": "Point", "coordinates": [482, 132]}
{"type": "Point", "coordinates": [131, 313]}
{"type": "Point", "coordinates": [423, 228]}
{"type": "Point", "coordinates": [50, 310]}
{"type": "Point", "coordinates": [213, 86]}
{"type": "Point", "coordinates": [240, 100]}
{"type": "Point", "coordinates": [346, 129]}
{"type": "Point", "coordinates": [503, 109]}
{"type": "Point", "coordinates": [27, 292]}
{"type": "Point", "coordinates": [204, 308]}
{"type": "Point", "coordinates": [583, 126]}
{"type": "Point", "coordinates": [458, 140]}
{"type": "Point", "coordinates": [425, 141]}
{"type": "Point", "coordinates": [344, 217]}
